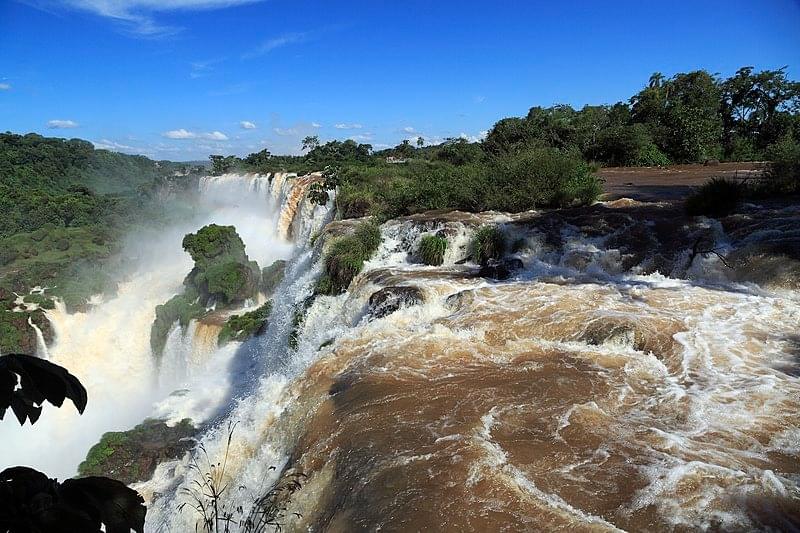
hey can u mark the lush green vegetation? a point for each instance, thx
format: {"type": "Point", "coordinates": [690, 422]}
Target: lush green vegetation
{"type": "Point", "coordinates": [431, 249]}
{"type": "Point", "coordinates": [242, 327]}
{"type": "Point", "coordinates": [346, 256]}
{"type": "Point", "coordinates": [181, 308]}
{"type": "Point", "coordinates": [64, 207]}
{"type": "Point", "coordinates": [222, 271]}
{"type": "Point", "coordinates": [222, 275]}
{"type": "Point", "coordinates": [488, 243]}
{"type": "Point", "coordinates": [541, 159]}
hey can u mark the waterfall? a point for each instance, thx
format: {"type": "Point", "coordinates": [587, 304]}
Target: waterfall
{"type": "Point", "coordinates": [41, 345]}
{"type": "Point", "coordinates": [108, 346]}
{"type": "Point", "coordinates": [613, 380]}
{"type": "Point", "coordinates": [511, 403]}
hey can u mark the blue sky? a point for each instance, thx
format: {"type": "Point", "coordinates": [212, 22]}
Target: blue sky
{"type": "Point", "coordinates": [180, 79]}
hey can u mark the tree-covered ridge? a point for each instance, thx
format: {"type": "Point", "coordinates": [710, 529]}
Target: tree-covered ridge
{"type": "Point", "coordinates": [63, 208]}
{"type": "Point", "coordinates": [69, 183]}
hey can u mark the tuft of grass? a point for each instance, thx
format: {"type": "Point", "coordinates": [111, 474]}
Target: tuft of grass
{"type": "Point", "coordinates": [242, 327]}
{"type": "Point", "coordinates": [488, 243]}
{"type": "Point", "coordinates": [717, 198]}
{"type": "Point", "coordinates": [431, 249]}
{"type": "Point", "coordinates": [346, 257]}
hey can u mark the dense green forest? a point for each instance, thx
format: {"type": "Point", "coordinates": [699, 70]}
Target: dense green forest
{"type": "Point", "coordinates": [64, 207]}
{"type": "Point", "coordinates": [548, 157]}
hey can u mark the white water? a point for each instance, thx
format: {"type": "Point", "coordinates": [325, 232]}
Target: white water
{"type": "Point", "coordinates": [108, 347]}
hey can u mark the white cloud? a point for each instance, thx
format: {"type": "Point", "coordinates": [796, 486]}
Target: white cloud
{"type": "Point", "coordinates": [62, 124]}
{"type": "Point", "coordinates": [215, 136]}
{"type": "Point", "coordinates": [137, 16]}
{"type": "Point", "coordinates": [247, 125]}
{"type": "Point", "coordinates": [316, 125]}
{"type": "Point", "coordinates": [5, 86]}
{"type": "Point", "coordinates": [276, 42]}
{"type": "Point", "coordinates": [344, 126]}
{"type": "Point", "coordinates": [185, 134]}
{"type": "Point", "coordinates": [475, 138]}
{"type": "Point", "coordinates": [179, 134]}
{"type": "Point", "coordinates": [409, 129]}
{"type": "Point", "coordinates": [366, 137]}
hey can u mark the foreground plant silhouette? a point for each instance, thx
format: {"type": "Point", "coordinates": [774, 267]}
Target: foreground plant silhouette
{"type": "Point", "coordinates": [27, 381]}
{"type": "Point", "coordinates": [30, 502]}
{"type": "Point", "coordinates": [206, 495]}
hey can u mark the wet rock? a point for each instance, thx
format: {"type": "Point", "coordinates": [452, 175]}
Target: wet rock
{"type": "Point", "coordinates": [272, 275]}
{"type": "Point", "coordinates": [389, 299]}
{"type": "Point", "coordinates": [133, 455]}
{"type": "Point", "coordinates": [500, 269]}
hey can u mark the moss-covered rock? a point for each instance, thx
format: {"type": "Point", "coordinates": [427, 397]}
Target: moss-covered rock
{"type": "Point", "coordinates": [242, 327]}
{"type": "Point", "coordinates": [181, 308]}
{"type": "Point", "coordinates": [222, 271]}
{"type": "Point", "coordinates": [272, 276]}
{"type": "Point", "coordinates": [298, 318]}
{"type": "Point", "coordinates": [431, 249]}
{"type": "Point", "coordinates": [222, 275]}
{"type": "Point", "coordinates": [390, 299]}
{"type": "Point", "coordinates": [133, 455]}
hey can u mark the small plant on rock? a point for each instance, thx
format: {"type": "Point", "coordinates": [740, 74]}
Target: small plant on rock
{"type": "Point", "coordinates": [488, 243]}
{"type": "Point", "coordinates": [431, 249]}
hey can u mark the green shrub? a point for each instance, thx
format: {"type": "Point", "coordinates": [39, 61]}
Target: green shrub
{"type": "Point", "coordinates": [541, 177]}
{"type": "Point", "coordinates": [784, 172]}
{"type": "Point", "coordinates": [230, 281]}
{"type": "Point", "coordinates": [345, 258]}
{"type": "Point", "coordinates": [717, 198]}
{"type": "Point", "coordinates": [489, 242]}
{"type": "Point", "coordinates": [431, 249]}
{"type": "Point", "coordinates": [242, 327]}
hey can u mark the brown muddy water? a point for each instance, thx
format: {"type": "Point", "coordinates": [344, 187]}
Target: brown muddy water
{"type": "Point", "coordinates": [640, 373]}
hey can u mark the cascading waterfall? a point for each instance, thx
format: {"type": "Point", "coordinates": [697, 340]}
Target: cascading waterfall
{"type": "Point", "coordinates": [588, 391]}
{"type": "Point", "coordinates": [108, 346]}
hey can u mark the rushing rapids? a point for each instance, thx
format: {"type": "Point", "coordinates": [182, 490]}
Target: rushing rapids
{"type": "Point", "coordinates": [640, 372]}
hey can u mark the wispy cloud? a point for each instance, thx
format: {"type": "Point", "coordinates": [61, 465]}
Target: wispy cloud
{"type": "Point", "coordinates": [408, 129]}
{"type": "Point", "coordinates": [201, 69]}
{"type": "Point", "coordinates": [479, 99]}
{"type": "Point", "coordinates": [5, 86]}
{"type": "Point", "coordinates": [247, 125]}
{"type": "Point", "coordinates": [186, 134]}
{"type": "Point", "coordinates": [62, 124]}
{"type": "Point", "coordinates": [316, 125]}
{"type": "Point", "coordinates": [345, 126]}
{"type": "Point", "coordinates": [276, 42]}
{"type": "Point", "coordinates": [138, 17]}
